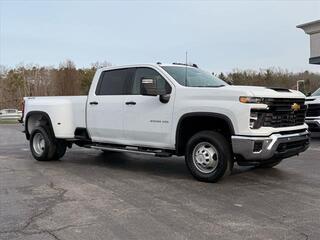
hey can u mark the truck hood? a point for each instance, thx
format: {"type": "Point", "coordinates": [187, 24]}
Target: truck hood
{"type": "Point", "coordinates": [233, 93]}
{"type": "Point", "coordinates": [252, 91]}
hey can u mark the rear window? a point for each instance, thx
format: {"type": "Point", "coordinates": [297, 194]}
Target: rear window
{"type": "Point", "coordinates": [114, 82]}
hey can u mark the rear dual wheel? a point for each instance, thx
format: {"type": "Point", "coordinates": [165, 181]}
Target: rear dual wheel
{"type": "Point", "coordinates": [44, 147]}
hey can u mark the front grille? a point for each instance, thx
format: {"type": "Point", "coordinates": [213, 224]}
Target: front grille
{"type": "Point", "coordinates": [281, 114]}
{"type": "Point", "coordinates": [313, 110]}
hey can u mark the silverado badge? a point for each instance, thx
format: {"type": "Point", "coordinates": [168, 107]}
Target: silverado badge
{"type": "Point", "coordinates": [295, 107]}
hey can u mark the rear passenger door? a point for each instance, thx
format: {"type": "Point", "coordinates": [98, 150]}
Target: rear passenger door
{"type": "Point", "coordinates": [105, 108]}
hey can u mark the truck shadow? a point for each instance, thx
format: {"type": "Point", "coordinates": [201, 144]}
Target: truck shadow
{"type": "Point", "coordinates": [174, 167]}
{"type": "Point", "coordinates": [128, 164]}
{"type": "Point", "coordinates": [315, 137]}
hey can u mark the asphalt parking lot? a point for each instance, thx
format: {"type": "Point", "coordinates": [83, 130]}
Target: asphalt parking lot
{"type": "Point", "coordinates": [89, 195]}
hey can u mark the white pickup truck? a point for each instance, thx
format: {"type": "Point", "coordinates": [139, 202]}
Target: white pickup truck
{"type": "Point", "coordinates": [175, 109]}
{"type": "Point", "coordinates": [313, 112]}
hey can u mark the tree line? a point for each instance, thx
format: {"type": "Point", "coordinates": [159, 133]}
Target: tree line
{"type": "Point", "coordinates": [274, 77]}
{"type": "Point", "coordinates": [34, 80]}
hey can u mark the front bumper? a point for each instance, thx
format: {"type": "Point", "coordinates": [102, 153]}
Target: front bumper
{"type": "Point", "coordinates": [314, 125]}
{"type": "Point", "coordinates": [279, 145]}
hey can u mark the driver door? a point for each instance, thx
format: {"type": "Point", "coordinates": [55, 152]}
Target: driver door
{"type": "Point", "coordinates": [147, 121]}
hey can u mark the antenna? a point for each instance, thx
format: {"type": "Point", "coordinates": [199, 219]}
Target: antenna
{"type": "Point", "coordinates": [186, 73]}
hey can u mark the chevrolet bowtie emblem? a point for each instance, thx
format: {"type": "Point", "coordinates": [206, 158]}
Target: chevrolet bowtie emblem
{"type": "Point", "coordinates": [295, 107]}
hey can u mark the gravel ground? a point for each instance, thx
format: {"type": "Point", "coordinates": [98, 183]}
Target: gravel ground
{"type": "Point", "coordinates": [89, 195]}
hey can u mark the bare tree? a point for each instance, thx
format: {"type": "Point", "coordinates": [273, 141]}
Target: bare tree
{"type": "Point", "coordinates": [66, 79]}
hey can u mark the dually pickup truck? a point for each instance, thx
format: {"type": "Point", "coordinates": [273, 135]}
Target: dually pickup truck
{"type": "Point", "coordinates": [313, 112]}
{"type": "Point", "coordinates": [173, 109]}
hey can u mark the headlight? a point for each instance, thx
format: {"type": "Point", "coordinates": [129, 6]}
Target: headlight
{"type": "Point", "coordinates": [251, 99]}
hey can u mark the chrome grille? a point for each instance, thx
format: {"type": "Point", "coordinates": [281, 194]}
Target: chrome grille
{"type": "Point", "coordinates": [280, 113]}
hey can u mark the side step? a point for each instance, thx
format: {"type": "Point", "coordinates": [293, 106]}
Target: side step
{"type": "Point", "coordinates": [152, 152]}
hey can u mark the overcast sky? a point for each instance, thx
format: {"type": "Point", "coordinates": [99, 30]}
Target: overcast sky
{"type": "Point", "coordinates": [218, 35]}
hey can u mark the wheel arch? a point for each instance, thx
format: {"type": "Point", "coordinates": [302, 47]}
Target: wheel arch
{"type": "Point", "coordinates": [34, 118]}
{"type": "Point", "coordinates": [199, 117]}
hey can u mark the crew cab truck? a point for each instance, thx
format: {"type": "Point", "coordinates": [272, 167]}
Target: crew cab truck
{"type": "Point", "coordinates": [173, 109]}
{"type": "Point", "coordinates": [313, 112]}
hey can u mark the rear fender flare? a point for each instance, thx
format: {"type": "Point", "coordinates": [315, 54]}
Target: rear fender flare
{"type": "Point", "coordinates": [41, 116]}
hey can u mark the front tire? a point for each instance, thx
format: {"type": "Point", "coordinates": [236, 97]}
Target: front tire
{"type": "Point", "coordinates": [209, 156]}
{"type": "Point", "coordinates": [42, 144]}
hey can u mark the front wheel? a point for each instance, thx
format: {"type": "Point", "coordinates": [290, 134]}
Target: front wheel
{"type": "Point", "coordinates": [209, 156]}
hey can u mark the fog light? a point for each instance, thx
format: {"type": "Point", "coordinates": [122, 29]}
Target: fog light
{"type": "Point", "coordinates": [257, 146]}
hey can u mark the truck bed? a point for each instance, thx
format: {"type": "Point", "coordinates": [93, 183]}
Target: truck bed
{"type": "Point", "coordinates": [66, 112]}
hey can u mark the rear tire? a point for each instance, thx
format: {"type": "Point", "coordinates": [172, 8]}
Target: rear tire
{"type": "Point", "coordinates": [61, 148]}
{"type": "Point", "coordinates": [42, 144]}
{"type": "Point", "coordinates": [209, 156]}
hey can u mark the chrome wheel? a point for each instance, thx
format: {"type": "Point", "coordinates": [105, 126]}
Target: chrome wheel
{"type": "Point", "coordinates": [38, 144]}
{"type": "Point", "coordinates": [205, 157]}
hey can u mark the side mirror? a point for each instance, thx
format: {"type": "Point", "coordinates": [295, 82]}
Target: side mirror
{"type": "Point", "coordinates": [164, 98]}
{"type": "Point", "coordinates": [309, 94]}
{"type": "Point", "coordinates": [148, 87]}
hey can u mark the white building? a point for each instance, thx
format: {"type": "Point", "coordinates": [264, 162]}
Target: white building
{"type": "Point", "coordinates": [313, 29]}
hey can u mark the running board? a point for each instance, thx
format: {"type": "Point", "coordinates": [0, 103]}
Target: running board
{"type": "Point", "coordinates": [131, 150]}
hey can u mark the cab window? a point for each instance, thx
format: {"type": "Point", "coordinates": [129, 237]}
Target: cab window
{"type": "Point", "coordinates": [163, 86]}
{"type": "Point", "coordinates": [114, 82]}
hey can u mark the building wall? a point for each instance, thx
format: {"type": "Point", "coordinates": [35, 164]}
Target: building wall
{"type": "Point", "coordinates": [313, 29]}
{"type": "Point", "coordinates": [315, 45]}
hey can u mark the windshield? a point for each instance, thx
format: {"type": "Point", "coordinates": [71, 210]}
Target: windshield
{"type": "Point", "coordinates": [193, 77]}
{"type": "Point", "coordinates": [316, 93]}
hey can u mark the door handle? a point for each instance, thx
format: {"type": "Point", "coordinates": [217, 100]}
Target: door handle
{"type": "Point", "coordinates": [131, 103]}
{"type": "Point", "coordinates": [93, 103]}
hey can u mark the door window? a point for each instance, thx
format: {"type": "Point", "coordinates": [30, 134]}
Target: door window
{"type": "Point", "coordinates": [114, 82]}
{"type": "Point", "coordinates": [162, 86]}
